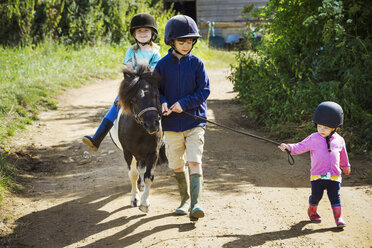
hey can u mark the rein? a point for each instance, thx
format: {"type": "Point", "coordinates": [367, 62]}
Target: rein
{"type": "Point", "coordinates": [290, 158]}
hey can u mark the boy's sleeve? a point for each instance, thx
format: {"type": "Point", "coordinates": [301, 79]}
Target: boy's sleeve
{"type": "Point", "coordinates": [344, 158]}
{"type": "Point", "coordinates": [301, 147]}
{"type": "Point", "coordinates": [202, 92]}
{"type": "Point", "coordinates": [161, 95]}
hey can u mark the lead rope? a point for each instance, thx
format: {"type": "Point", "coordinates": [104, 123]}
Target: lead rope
{"type": "Point", "coordinates": [290, 158]}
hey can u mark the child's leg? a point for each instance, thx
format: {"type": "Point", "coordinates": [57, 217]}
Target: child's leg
{"type": "Point", "coordinates": [317, 189]}
{"type": "Point", "coordinates": [196, 187]}
{"type": "Point", "coordinates": [175, 150]}
{"type": "Point", "coordinates": [105, 126]}
{"type": "Point", "coordinates": [333, 191]}
{"type": "Point", "coordinates": [194, 152]}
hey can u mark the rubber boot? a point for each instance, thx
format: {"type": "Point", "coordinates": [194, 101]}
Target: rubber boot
{"type": "Point", "coordinates": [338, 218]}
{"type": "Point", "coordinates": [196, 181]}
{"type": "Point", "coordinates": [95, 141]}
{"type": "Point", "coordinates": [313, 215]}
{"type": "Point", "coordinates": [182, 181]}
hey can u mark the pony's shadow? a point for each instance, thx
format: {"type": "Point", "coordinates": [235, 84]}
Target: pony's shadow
{"type": "Point", "coordinates": [121, 239]}
{"type": "Point", "coordinates": [66, 223]}
{"type": "Point", "coordinates": [261, 238]}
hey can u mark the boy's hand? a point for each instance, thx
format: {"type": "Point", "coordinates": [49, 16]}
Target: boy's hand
{"type": "Point", "coordinates": [164, 109]}
{"type": "Point", "coordinates": [283, 147]}
{"type": "Point", "coordinates": [176, 108]}
{"type": "Point", "coordinates": [346, 170]}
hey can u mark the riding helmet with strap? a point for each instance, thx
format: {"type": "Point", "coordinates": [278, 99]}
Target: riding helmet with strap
{"type": "Point", "coordinates": [329, 114]}
{"type": "Point", "coordinates": [144, 20]}
{"type": "Point", "coordinates": [180, 27]}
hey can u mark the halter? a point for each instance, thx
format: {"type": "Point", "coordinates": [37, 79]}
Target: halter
{"type": "Point", "coordinates": [137, 117]}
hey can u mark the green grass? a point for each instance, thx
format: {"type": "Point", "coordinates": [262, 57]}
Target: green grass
{"type": "Point", "coordinates": [212, 58]}
{"type": "Point", "coordinates": [31, 78]}
{"type": "Point", "coordinates": [7, 173]}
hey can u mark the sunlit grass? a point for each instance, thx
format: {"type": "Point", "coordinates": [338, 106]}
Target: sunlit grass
{"type": "Point", "coordinates": [31, 78]}
{"type": "Point", "coordinates": [211, 57]}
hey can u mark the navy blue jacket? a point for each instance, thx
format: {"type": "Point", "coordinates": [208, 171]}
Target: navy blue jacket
{"type": "Point", "coordinates": [185, 81]}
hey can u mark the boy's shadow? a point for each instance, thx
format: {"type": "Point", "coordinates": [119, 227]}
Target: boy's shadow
{"type": "Point", "coordinates": [261, 238]}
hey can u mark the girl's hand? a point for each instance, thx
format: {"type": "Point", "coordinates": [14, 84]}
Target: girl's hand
{"type": "Point", "coordinates": [283, 147]}
{"type": "Point", "coordinates": [346, 170]}
{"type": "Point", "coordinates": [176, 108]}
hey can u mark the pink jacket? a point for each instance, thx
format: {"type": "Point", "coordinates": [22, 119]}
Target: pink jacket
{"type": "Point", "coordinates": [322, 160]}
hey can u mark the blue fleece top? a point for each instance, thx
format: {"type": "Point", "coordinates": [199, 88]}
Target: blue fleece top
{"type": "Point", "coordinates": [186, 81]}
{"type": "Point", "coordinates": [140, 56]}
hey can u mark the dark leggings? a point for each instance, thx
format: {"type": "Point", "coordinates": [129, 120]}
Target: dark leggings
{"type": "Point", "coordinates": [333, 191]}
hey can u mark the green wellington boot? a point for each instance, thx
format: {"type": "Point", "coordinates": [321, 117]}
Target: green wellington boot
{"type": "Point", "coordinates": [196, 181]}
{"type": "Point", "coordinates": [183, 186]}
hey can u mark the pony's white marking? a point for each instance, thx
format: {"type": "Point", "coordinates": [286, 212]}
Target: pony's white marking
{"type": "Point", "coordinates": [114, 131]}
{"type": "Point", "coordinates": [145, 203]}
{"type": "Point", "coordinates": [133, 175]}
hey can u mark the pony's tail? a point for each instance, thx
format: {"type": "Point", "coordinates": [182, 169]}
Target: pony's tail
{"type": "Point", "coordinates": [162, 160]}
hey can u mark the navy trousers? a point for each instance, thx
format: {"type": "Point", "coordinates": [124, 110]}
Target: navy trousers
{"type": "Point", "coordinates": [333, 191]}
{"type": "Point", "coordinates": [112, 114]}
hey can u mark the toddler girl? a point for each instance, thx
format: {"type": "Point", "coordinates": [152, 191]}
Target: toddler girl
{"type": "Point", "coordinates": [328, 156]}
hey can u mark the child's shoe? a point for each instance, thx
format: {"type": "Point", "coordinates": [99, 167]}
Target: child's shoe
{"type": "Point", "coordinates": [183, 186]}
{"type": "Point", "coordinates": [197, 212]}
{"type": "Point", "coordinates": [313, 215]}
{"type": "Point", "coordinates": [95, 141]}
{"type": "Point", "coordinates": [338, 218]}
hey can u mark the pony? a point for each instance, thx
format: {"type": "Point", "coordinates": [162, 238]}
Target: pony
{"type": "Point", "coordinates": [139, 130]}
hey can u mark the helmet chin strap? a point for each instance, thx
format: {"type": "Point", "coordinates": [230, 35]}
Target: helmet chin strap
{"type": "Point", "coordinates": [328, 138]}
{"type": "Point", "coordinates": [143, 43]}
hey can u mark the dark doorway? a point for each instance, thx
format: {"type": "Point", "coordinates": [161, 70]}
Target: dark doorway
{"type": "Point", "coordinates": [184, 7]}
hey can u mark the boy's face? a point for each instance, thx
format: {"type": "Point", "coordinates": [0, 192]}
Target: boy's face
{"type": "Point", "coordinates": [143, 34]}
{"type": "Point", "coordinates": [324, 131]}
{"type": "Point", "coordinates": [183, 46]}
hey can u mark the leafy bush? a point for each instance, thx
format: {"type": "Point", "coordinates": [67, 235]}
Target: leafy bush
{"type": "Point", "coordinates": [71, 21]}
{"type": "Point", "coordinates": [312, 51]}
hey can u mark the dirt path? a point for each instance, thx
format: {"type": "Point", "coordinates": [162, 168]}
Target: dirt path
{"type": "Point", "coordinates": [253, 197]}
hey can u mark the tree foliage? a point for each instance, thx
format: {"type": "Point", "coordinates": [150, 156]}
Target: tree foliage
{"type": "Point", "coordinates": [312, 51]}
{"type": "Point", "coordinates": [71, 21]}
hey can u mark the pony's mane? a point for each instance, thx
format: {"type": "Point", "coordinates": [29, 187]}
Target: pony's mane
{"type": "Point", "coordinates": [131, 82]}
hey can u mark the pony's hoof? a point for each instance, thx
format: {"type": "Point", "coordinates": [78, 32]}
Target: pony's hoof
{"type": "Point", "coordinates": [144, 208]}
{"type": "Point", "coordinates": [133, 203]}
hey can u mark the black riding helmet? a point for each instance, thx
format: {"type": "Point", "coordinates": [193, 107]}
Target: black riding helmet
{"type": "Point", "coordinates": [179, 27]}
{"type": "Point", "coordinates": [144, 20]}
{"type": "Point", "coordinates": [329, 114]}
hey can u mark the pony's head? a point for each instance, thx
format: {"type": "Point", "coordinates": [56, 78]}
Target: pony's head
{"type": "Point", "coordinates": [139, 96]}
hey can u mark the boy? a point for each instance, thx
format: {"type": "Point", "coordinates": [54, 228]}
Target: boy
{"type": "Point", "coordinates": [184, 87]}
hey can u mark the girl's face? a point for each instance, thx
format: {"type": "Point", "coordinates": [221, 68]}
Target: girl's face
{"type": "Point", "coordinates": [324, 131]}
{"type": "Point", "coordinates": [143, 34]}
{"type": "Point", "coordinates": [183, 46]}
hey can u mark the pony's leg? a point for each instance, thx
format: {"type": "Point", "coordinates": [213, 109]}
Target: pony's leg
{"type": "Point", "coordinates": [148, 179]}
{"type": "Point", "coordinates": [133, 175]}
